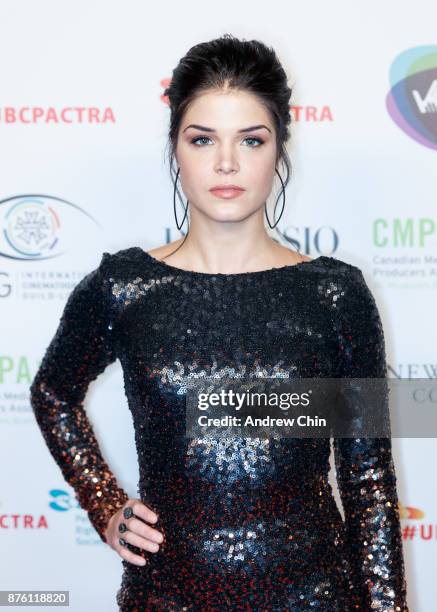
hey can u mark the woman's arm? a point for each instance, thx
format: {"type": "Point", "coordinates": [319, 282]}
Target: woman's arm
{"type": "Point", "coordinates": [364, 466]}
{"type": "Point", "coordinates": [80, 350]}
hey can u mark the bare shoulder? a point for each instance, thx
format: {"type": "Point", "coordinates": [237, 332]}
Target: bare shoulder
{"type": "Point", "coordinates": [287, 256]}
{"type": "Point", "coordinates": [164, 249]}
{"type": "Point", "coordinates": [302, 258]}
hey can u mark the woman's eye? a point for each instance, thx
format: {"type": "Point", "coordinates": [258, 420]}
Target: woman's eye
{"type": "Point", "coordinates": [258, 140]}
{"type": "Point", "coordinates": [253, 139]}
{"type": "Point", "coordinates": [194, 140]}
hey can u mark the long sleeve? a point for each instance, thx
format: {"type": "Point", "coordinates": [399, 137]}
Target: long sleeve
{"type": "Point", "coordinates": [80, 350]}
{"type": "Point", "coordinates": [364, 466]}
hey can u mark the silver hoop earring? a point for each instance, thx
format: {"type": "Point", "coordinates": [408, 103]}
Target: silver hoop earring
{"type": "Point", "coordinates": [174, 204]}
{"type": "Point", "coordinates": [276, 203]}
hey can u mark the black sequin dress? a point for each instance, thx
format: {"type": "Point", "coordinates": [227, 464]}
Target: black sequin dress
{"type": "Point", "coordinates": [249, 524]}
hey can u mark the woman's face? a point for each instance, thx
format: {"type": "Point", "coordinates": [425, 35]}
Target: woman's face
{"type": "Point", "coordinates": [225, 154]}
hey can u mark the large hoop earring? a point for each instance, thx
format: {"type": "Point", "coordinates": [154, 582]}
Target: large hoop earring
{"type": "Point", "coordinates": [276, 203]}
{"type": "Point", "coordinates": [174, 204]}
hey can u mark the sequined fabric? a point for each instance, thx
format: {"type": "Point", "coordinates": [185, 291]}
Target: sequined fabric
{"type": "Point", "coordinates": [249, 523]}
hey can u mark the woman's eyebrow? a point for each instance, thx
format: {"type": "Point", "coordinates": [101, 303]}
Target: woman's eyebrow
{"type": "Point", "coordinates": [207, 129]}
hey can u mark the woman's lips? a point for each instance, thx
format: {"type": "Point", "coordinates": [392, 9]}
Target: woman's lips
{"type": "Point", "coordinates": [227, 193]}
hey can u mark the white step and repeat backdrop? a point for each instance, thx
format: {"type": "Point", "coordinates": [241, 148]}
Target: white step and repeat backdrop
{"type": "Point", "coordinates": [83, 126]}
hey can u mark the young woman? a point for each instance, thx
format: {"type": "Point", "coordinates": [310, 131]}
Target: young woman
{"type": "Point", "coordinates": [242, 523]}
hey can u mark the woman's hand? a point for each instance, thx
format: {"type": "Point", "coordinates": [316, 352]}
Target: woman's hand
{"type": "Point", "coordinates": [125, 527]}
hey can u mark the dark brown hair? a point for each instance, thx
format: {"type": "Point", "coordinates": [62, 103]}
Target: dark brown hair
{"type": "Point", "coordinates": [246, 65]}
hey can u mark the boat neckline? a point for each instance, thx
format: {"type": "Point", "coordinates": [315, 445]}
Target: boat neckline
{"type": "Point", "coordinates": [176, 270]}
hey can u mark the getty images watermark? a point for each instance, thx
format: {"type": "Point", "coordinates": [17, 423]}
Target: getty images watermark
{"type": "Point", "coordinates": [312, 408]}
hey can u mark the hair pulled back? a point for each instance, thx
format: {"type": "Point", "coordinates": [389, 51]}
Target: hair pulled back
{"type": "Point", "coordinates": [228, 62]}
